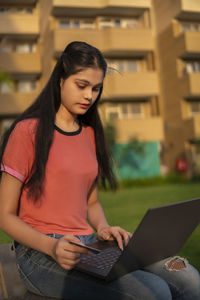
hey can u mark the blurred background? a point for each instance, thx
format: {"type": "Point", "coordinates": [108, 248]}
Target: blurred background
{"type": "Point", "coordinates": [151, 101]}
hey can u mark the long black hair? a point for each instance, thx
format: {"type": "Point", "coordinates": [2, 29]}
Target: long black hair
{"type": "Point", "coordinates": [76, 57]}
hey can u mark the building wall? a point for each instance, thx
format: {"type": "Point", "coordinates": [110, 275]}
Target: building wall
{"type": "Point", "coordinates": [46, 37]}
{"type": "Point", "coordinates": [178, 36]}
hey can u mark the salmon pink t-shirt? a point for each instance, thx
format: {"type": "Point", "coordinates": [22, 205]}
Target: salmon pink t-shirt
{"type": "Point", "coordinates": [70, 172]}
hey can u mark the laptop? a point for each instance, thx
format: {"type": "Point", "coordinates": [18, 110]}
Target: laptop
{"type": "Point", "coordinates": [161, 234]}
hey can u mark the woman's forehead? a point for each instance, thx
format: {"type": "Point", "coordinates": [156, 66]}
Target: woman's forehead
{"type": "Point", "coordinates": [93, 75]}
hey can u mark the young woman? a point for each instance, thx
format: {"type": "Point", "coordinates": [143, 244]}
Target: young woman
{"type": "Point", "coordinates": [51, 158]}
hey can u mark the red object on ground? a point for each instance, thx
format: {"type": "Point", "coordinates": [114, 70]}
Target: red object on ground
{"type": "Point", "coordinates": [181, 165]}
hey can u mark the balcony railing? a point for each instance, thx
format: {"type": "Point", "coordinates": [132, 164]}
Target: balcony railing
{"type": "Point", "coordinates": [15, 103]}
{"type": "Point", "coordinates": [189, 86]}
{"type": "Point", "coordinates": [20, 63]}
{"type": "Point", "coordinates": [99, 7]}
{"type": "Point", "coordinates": [111, 41]}
{"type": "Point", "coordinates": [188, 44]}
{"type": "Point", "coordinates": [191, 128]}
{"type": "Point", "coordinates": [19, 2]}
{"type": "Point", "coordinates": [148, 129]}
{"type": "Point", "coordinates": [131, 85]}
{"type": "Point", "coordinates": [187, 9]}
{"type": "Point", "coordinates": [22, 25]}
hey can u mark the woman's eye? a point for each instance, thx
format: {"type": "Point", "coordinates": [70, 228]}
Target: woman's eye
{"type": "Point", "coordinates": [81, 86]}
{"type": "Point", "coordinates": [96, 89]}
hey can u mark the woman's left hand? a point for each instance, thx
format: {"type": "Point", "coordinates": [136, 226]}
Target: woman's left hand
{"type": "Point", "coordinates": [110, 233]}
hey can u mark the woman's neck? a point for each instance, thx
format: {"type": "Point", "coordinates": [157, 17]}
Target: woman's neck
{"type": "Point", "coordinates": [68, 123]}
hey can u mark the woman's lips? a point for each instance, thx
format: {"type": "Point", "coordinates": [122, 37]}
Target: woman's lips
{"type": "Point", "coordinates": [84, 105]}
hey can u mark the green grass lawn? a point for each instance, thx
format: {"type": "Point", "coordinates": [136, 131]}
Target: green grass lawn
{"type": "Point", "coordinates": [126, 207]}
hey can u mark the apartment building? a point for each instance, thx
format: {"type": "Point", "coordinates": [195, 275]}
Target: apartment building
{"type": "Point", "coordinates": [34, 33]}
{"type": "Point", "coordinates": [19, 57]}
{"type": "Point", "coordinates": [178, 43]}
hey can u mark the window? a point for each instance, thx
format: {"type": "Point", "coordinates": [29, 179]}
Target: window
{"type": "Point", "coordinates": [120, 65]}
{"type": "Point", "coordinates": [64, 23]}
{"type": "Point", "coordinates": [123, 110]}
{"type": "Point", "coordinates": [190, 26]}
{"type": "Point", "coordinates": [6, 48]}
{"type": "Point", "coordinates": [23, 10]}
{"type": "Point", "coordinates": [196, 27]}
{"type": "Point", "coordinates": [112, 111]}
{"type": "Point", "coordinates": [6, 88]}
{"type": "Point", "coordinates": [87, 24]}
{"type": "Point", "coordinates": [112, 65]}
{"type": "Point", "coordinates": [116, 22]}
{"type": "Point", "coordinates": [20, 10]}
{"type": "Point", "coordinates": [26, 86]}
{"type": "Point", "coordinates": [25, 48]}
{"type": "Point", "coordinates": [132, 66]}
{"type": "Point", "coordinates": [192, 67]}
{"type": "Point", "coordinates": [130, 23]}
{"type": "Point", "coordinates": [123, 65]}
{"type": "Point", "coordinates": [29, 10]}
{"type": "Point", "coordinates": [106, 23]}
{"type": "Point", "coordinates": [131, 110]}
{"type": "Point", "coordinates": [186, 27]}
{"type": "Point", "coordinates": [194, 107]}
{"type": "Point", "coordinates": [4, 10]}
{"type": "Point", "coordinates": [77, 23]}
{"type": "Point", "coordinates": [136, 109]}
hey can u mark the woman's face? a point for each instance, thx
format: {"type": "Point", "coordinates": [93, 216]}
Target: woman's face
{"type": "Point", "coordinates": [79, 91]}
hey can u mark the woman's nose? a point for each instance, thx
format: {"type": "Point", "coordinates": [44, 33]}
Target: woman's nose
{"type": "Point", "coordinates": [88, 94]}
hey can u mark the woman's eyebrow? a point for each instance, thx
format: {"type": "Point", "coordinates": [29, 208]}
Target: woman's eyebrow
{"type": "Point", "coordinates": [89, 83]}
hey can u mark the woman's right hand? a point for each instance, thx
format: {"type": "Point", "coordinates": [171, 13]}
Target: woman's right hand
{"type": "Point", "coordinates": [66, 254]}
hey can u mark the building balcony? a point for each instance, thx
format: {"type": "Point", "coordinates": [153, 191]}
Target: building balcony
{"type": "Point", "coordinates": [15, 103]}
{"type": "Point", "coordinates": [191, 128]}
{"type": "Point", "coordinates": [188, 44]}
{"type": "Point", "coordinates": [111, 41]}
{"type": "Point", "coordinates": [148, 129]}
{"type": "Point", "coordinates": [187, 9]}
{"type": "Point", "coordinates": [18, 64]}
{"type": "Point", "coordinates": [131, 85]}
{"type": "Point", "coordinates": [22, 26]}
{"type": "Point", "coordinates": [189, 86]}
{"type": "Point", "coordinates": [99, 7]}
{"type": "Point", "coordinates": [19, 2]}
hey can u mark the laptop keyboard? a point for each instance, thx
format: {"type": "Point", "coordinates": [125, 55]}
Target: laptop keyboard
{"type": "Point", "coordinates": [102, 261]}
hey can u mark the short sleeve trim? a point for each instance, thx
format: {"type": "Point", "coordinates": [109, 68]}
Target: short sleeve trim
{"type": "Point", "coordinates": [12, 172]}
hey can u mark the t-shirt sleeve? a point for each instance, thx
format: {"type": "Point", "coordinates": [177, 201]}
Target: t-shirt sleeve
{"type": "Point", "coordinates": [18, 156]}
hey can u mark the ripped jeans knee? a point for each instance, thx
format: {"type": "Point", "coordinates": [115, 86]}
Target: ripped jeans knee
{"type": "Point", "coordinates": [176, 263]}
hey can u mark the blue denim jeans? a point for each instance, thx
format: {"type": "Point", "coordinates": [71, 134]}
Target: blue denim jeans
{"type": "Point", "coordinates": [43, 276]}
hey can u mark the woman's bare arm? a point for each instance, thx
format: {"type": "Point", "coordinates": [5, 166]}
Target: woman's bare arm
{"type": "Point", "coordinates": [97, 219]}
{"type": "Point", "coordinates": [61, 250]}
{"type": "Point", "coordinates": [96, 215]}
